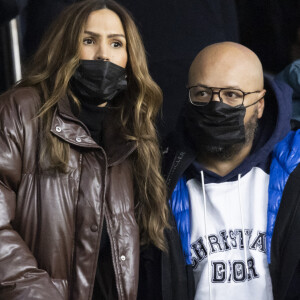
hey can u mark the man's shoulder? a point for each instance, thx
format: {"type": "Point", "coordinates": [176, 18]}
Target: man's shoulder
{"type": "Point", "coordinates": [172, 150]}
{"type": "Point", "coordinates": [177, 157]}
{"type": "Point", "coordinates": [290, 142]}
{"type": "Point", "coordinates": [286, 154]}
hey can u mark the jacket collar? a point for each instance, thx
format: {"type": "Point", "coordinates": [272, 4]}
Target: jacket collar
{"type": "Point", "coordinates": [67, 127]}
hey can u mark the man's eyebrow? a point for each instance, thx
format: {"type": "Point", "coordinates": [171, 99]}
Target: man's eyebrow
{"type": "Point", "coordinates": [235, 87]}
{"type": "Point", "coordinates": [110, 35]}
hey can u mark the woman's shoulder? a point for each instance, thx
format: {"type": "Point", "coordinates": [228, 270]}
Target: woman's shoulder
{"type": "Point", "coordinates": [19, 103]}
{"type": "Point", "coordinates": [20, 98]}
{"type": "Point", "coordinates": [21, 95]}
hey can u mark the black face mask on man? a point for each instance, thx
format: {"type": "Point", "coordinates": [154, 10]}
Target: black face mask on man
{"type": "Point", "coordinates": [97, 81]}
{"type": "Point", "coordinates": [215, 124]}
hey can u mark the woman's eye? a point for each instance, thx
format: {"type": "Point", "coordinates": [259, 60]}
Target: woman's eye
{"type": "Point", "coordinates": [116, 44]}
{"type": "Point", "coordinates": [88, 41]}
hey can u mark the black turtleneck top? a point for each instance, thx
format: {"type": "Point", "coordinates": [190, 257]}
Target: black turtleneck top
{"type": "Point", "coordinates": [104, 286]}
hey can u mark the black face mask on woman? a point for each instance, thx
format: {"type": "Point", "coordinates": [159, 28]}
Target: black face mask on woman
{"type": "Point", "coordinates": [97, 81]}
{"type": "Point", "coordinates": [215, 124]}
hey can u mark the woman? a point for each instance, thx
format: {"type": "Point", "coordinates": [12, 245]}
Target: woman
{"type": "Point", "coordinates": [80, 188]}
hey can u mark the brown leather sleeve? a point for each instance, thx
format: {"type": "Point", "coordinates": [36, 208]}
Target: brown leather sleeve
{"type": "Point", "coordinates": [20, 277]}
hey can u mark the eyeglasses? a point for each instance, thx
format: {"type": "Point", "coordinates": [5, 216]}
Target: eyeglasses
{"type": "Point", "coordinates": [201, 95]}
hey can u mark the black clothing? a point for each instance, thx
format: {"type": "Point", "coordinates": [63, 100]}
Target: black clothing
{"type": "Point", "coordinates": [105, 287]}
{"type": "Point", "coordinates": [164, 276]}
{"type": "Point", "coordinates": [285, 251]}
{"type": "Point", "coordinates": [92, 116]}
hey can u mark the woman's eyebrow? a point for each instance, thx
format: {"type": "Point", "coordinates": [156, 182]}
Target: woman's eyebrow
{"type": "Point", "coordinates": [92, 33]}
{"type": "Point", "coordinates": [116, 35]}
{"type": "Point", "coordinates": [110, 35]}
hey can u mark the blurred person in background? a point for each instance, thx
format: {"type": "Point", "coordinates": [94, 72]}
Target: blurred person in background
{"type": "Point", "coordinates": [291, 76]}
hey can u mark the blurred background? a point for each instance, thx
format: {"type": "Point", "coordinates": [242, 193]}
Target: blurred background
{"type": "Point", "coordinates": [174, 31]}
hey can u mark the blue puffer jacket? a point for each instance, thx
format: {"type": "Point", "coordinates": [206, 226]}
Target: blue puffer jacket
{"type": "Point", "coordinates": [286, 157]}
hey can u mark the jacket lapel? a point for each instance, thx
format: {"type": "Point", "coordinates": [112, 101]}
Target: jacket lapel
{"type": "Point", "coordinates": [69, 128]}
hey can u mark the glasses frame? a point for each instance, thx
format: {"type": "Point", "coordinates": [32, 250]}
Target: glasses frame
{"type": "Point", "coordinates": [218, 93]}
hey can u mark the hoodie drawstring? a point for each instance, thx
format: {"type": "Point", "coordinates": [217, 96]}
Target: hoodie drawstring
{"type": "Point", "coordinates": [205, 226]}
{"type": "Point", "coordinates": [243, 227]}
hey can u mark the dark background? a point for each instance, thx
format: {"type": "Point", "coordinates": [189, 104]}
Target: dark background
{"type": "Point", "coordinates": [174, 31]}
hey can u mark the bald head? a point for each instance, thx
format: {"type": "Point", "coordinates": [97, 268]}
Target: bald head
{"type": "Point", "coordinates": [227, 64]}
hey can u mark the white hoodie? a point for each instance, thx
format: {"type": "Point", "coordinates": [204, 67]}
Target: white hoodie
{"type": "Point", "coordinates": [234, 217]}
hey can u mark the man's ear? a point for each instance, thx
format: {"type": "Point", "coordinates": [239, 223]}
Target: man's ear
{"type": "Point", "coordinates": [261, 103]}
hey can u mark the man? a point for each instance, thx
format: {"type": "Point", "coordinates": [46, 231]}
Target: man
{"type": "Point", "coordinates": [232, 187]}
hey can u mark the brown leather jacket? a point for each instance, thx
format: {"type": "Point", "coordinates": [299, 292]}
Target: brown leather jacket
{"type": "Point", "coordinates": [51, 222]}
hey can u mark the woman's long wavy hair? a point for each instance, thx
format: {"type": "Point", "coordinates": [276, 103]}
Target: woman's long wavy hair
{"type": "Point", "coordinates": [50, 73]}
